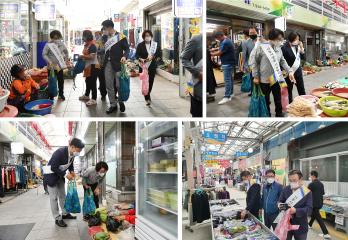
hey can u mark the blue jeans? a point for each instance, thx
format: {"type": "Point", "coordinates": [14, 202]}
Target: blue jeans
{"type": "Point", "coordinates": [227, 70]}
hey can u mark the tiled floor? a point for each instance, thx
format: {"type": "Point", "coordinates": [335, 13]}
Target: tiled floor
{"type": "Point", "coordinates": [165, 102]}
{"type": "Point", "coordinates": [203, 231]}
{"type": "Point", "coordinates": [239, 106]}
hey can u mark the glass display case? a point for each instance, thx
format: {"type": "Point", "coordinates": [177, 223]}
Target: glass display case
{"type": "Point", "coordinates": [157, 180]}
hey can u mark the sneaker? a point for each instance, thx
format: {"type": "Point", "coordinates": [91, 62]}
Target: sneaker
{"type": "Point", "coordinates": [148, 102]}
{"type": "Point", "coordinates": [61, 223]}
{"type": "Point", "coordinates": [122, 106]}
{"type": "Point", "coordinates": [61, 97]}
{"type": "Point", "coordinates": [211, 95]}
{"type": "Point", "coordinates": [69, 216]}
{"type": "Point", "coordinates": [224, 100]}
{"type": "Point", "coordinates": [325, 236]}
{"type": "Point", "coordinates": [84, 98]}
{"type": "Point", "coordinates": [309, 227]}
{"type": "Point", "coordinates": [91, 102]}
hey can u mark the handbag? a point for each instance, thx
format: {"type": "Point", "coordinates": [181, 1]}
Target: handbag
{"type": "Point", "coordinates": [258, 105]}
{"type": "Point", "coordinates": [124, 84]}
{"type": "Point", "coordinates": [88, 203]}
{"type": "Point", "coordinates": [72, 202]}
{"type": "Point", "coordinates": [52, 84]}
{"type": "Point", "coordinates": [144, 78]}
{"type": "Point", "coordinates": [246, 83]}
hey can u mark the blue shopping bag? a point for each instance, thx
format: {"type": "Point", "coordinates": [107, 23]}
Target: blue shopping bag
{"type": "Point", "coordinates": [123, 94]}
{"type": "Point", "coordinates": [246, 83]}
{"type": "Point", "coordinates": [72, 202]}
{"type": "Point", "coordinates": [88, 203]}
{"type": "Point", "coordinates": [79, 66]}
{"type": "Point", "coordinates": [258, 105]}
{"type": "Point", "coordinates": [52, 84]}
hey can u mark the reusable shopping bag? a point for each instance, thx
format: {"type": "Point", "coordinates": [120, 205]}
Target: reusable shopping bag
{"type": "Point", "coordinates": [52, 84]}
{"type": "Point", "coordinates": [285, 97]}
{"type": "Point", "coordinates": [246, 83]}
{"type": "Point", "coordinates": [88, 203]}
{"type": "Point", "coordinates": [284, 226]}
{"type": "Point", "coordinates": [124, 84]}
{"type": "Point", "coordinates": [144, 78]}
{"type": "Point", "coordinates": [258, 106]}
{"type": "Point", "coordinates": [79, 66]}
{"type": "Point", "coordinates": [72, 202]}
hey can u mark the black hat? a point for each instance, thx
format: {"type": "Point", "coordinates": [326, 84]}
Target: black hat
{"type": "Point", "coordinates": [15, 69]}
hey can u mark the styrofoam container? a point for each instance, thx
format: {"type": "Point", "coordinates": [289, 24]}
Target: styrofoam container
{"type": "Point", "coordinates": [3, 99]}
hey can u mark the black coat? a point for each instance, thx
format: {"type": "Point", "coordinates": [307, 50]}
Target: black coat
{"type": "Point", "coordinates": [253, 199]}
{"type": "Point", "coordinates": [200, 207]}
{"type": "Point", "coordinates": [117, 51]}
{"type": "Point", "coordinates": [318, 191]}
{"type": "Point", "coordinates": [290, 58]}
{"type": "Point", "coordinates": [59, 157]}
{"type": "Point", "coordinates": [141, 52]}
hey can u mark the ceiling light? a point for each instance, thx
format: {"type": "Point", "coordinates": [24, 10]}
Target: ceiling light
{"type": "Point", "coordinates": [250, 150]}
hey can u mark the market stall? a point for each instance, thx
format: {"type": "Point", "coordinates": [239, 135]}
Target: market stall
{"type": "Point", "coordinates": [335, 209]}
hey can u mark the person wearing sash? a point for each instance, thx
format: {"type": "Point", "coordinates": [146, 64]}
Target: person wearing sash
{"type": "Point", "coordinates": [148, 52]}
{"type": "Point", "coordinates": [293, 52]}
{"type": "Point", "coordinates": [116, 53]}
{"type": "Point", "coordinates": [56, 56]}
{"type": "Point", "coordinates": [266, 69]}
{"type": "Point", "coordinates": [253, 199]}
{"type": "Point", "coordinates": [89, 55]}
{"type": "Point", "coordinates": [300, 204]}
{"type": "Point", "coordinates": [55, 173]}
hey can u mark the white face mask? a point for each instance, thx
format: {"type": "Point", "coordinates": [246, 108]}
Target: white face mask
{"type": "Point", "coordinates": [270, 180]}
{"type": "Point", "coordinates": [294, 185]}
{"type": "Point", "coordinates": [296, 43]}
{"type": "Point", "coordinates": [76, 154]}
{"type": "Point", "coordinates": [148, 39]}
{"type": "Point", "coordinates": [101, 174]}
{"type": "Point", "coordinates": [277, 43]}
{"type": "Point", "coordinates": [246, 181]}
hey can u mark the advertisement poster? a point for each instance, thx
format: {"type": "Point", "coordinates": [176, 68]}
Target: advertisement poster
{"type": "Point", "coordinates": [9, 11]}
{"type": "Point", "coordinates": [215, 137]}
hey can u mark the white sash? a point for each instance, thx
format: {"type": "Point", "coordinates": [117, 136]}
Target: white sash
{"type": "Point", "coordinates": [47, 169]}
{"type": "Point", "coordinates": [55, 50]}
{"type": "Point", "coordinates": [272, 57]}
{"type": "Point", "coordinates": [297, 62]}
{"type": "Point", "coordinates": [111, 42]}
{"type": "Point", "coordinates": [152, 52]}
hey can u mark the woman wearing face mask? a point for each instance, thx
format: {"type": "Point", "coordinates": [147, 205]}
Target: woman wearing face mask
{"type": "Point", "coordinates": [148, 52]}
{"type": "Point", "coordinates": [267, 69]}
{"type": "Point", "coordinates": [294, 52]}
{"type": "Point", "coordinates": [93, 178]}
{"type": "Point", "coordinates": [56, 55]}
{"type": "Point", "coordinates": [301, 209]}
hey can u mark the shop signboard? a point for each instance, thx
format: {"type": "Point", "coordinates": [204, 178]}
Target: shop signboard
{"type": "Point", "coordinates": [339, 219]}
{"type": "Point", "coordinates": [242, 154]}
{"type": "Point", "coordinates": [45, 10]}
{"type": "Point", "coordinates": [211, 153]}
{"type": "Point", "coordinates": [188, 8]}
{"type": "Point", "coordinates": [116, 17]}
{"type": "Point", "coordinates": [280, 23]}
{"type": "Point", "coordinates": [215, 137]}
{"type": "Point", "coordinates": [9, 11]}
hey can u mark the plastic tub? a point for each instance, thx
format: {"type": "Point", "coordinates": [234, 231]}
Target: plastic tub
{"type": "Point", "coordinates": [341, 92]}
{"type": "Point", "coordinates": [3, 99]}
{"type": "Point", "coordinates": [43, 111]}
{"type": "Point", "coordinates": [333, 112]}
{"type": "Point", "coordinates": [321, 92]}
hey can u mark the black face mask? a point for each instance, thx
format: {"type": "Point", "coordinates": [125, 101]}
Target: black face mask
{"type": "Point", "coordinates": [253, 37]}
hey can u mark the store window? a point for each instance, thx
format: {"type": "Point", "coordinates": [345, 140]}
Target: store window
{"type": "Point", "coordinates": [343, 168]}
{"type": "Point", "coordinates": [305, 169]}
{"type": "Point", "coordinates": [321, 165]}
{"type": "Point", "coordinates": [110, 156]}
{"type": "Point", "coordinates": [14, 28]}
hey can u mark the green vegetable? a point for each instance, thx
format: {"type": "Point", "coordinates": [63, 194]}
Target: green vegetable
{"type": "Point", "coordinates": [103, 217]}
{"type": "Point", "coordinates": [101, 210]}
{"type": "Point", "coordinates": [101, 236]}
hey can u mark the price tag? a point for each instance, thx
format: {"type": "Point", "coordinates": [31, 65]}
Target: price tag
{"type": "Point", "coordinates": [339, 219]}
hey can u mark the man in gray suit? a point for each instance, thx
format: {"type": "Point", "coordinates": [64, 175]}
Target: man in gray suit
{"type": "Point", "coordinates": [191, 58]}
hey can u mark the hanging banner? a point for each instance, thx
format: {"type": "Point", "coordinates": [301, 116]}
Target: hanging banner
{"type": "Point", "coordinates": [242, 154]}
{"type": "Point", "coordinates": [45, 11]}
{"type": "Point", "coordinates": [215, 137]}
{"type": "Point", "coordinates": [188, 8]}
{"type": "Point", "coordinates": [211, 153]}
{"type": "Point", "coordinates": [9, 11]}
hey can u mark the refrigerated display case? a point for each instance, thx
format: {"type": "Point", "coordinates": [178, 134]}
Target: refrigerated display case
{"type": "Point", "coordinates": [157, 181]}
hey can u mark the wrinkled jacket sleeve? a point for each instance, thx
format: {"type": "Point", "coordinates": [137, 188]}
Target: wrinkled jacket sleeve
{"type": "Point", "coordinates": [244, 55]}
{"type": "Point", "coordinates": [125, 48]}
{"type": "Point", "coordinates": [45, 53]}
{"type": "Point", "coordinates": [283, 63]}
{"type": "Point", "coordinates": [254, 197]}
{"type": "Point", "coordinates": [71, 167]}
{"type": "Point", "coordinates": [55, 163]}
{"type": "Point", "coordinates": [307, 209]}
{"type": "Point", "coordinates": [187, 55]}
{"type": "Point", "coordinates": [256, 63]}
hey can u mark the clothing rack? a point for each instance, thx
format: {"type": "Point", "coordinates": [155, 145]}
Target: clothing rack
{"type": "Point", "coordinates": [16, 191]}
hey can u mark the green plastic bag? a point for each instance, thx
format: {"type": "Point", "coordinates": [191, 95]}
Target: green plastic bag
{"type": "Point", "coordinates": [72, 202]}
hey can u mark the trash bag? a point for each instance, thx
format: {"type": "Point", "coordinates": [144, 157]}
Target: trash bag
{"type": "Point", "coordinates": [79, 66]}
{"type": "Point", "coordinates": [112, 224]}
{"type": "Point", "coordinates": [144, 78]}
{"type": "Point", "coordinates": [246, 83]}
{"type": "Point", "coordinates": [258, 105]}
{"type": "Point", "coordinates": [94, 220]}
{"type": "Point", "coordinates": [285, 98]}
{"type": "Point", "coordinates": [88, 203]}
{"type": "Point", "coordinates": [52, 84]}
{"type": "Point", "coordinates": [72, 202]}
{"type": "Point", "coordinates": [124, 91]}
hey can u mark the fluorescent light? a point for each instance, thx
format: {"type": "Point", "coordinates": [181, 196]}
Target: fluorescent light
{"type": "Point", "coordinates": [17, 148]}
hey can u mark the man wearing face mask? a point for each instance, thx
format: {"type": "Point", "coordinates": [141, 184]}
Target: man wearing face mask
{"type": "Point", "coordinates": [253, 199]}
{"type": "Point", "coordinates": [270, 194]}
{"type": "Point", "coordinates": [55, 173]}
{"type": "Point", "coordinates": [267, 69]}
{"type": "Point", "coordinates": [248, 46]}
{"type": "Point", "coordinates": [93, 178]}
{"type": "Point", "coordinates": [294, 52]}
{"type": "Point", "coordinates": [116, 51]}
{"type": "Point", "coordinates": [301, 209]}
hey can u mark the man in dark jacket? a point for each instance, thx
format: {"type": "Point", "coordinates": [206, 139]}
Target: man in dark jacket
{"type": "Point", "coordinates": [270, 194]}
{"type": "Point", "coordinates": [253, 199]}
{"type": "Point", "coordinates": [116, 53]}
{"type": "Point", "coordinates": [61, 161]}
{"type": "Point", "coordinates": [318, 191]}
{"type": "Point", "coordinates": [301, 209]}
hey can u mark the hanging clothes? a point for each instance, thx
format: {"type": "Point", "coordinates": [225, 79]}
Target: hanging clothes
{"type": "Point", "coordinates": [17, 174]}
{"type": "Point", "coordinates": [3, 177]}
{"type": "Point", "coordinates": [2, 182]}
{"type": "Point", "coordinates": [200, 206]}
{"type": "Point", "coordinates": [13, 178]}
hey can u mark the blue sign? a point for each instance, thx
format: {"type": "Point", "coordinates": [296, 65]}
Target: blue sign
{"type": "Point", "coordinates": [211, 153]}
{"type": "Point", "coordinates": [242, 154]}
{"type": "Point", "coordinates": [215, 137]}
{"type": "Point", "coordinates": [188, 8]}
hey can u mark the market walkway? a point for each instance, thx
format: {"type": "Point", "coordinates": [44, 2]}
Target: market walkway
{"type": "Point", "coordinates": [239, 106]}
{"type": "Point", "coordinates": [165, 101]}
{"type": "Point", "coordinates": [203, 231]}
{"type": "Point", "coordinates": [34, 207]}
